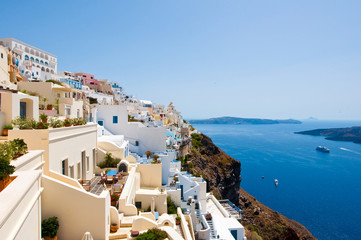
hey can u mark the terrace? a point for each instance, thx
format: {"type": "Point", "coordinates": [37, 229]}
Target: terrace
{"type": "Point", "coordinates": [231, 208]}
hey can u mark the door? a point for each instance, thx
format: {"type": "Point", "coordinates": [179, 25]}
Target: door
{"type": "Point", "coordinates": [83, 166]}
{"type": "Point", "coordinates": [23, 110]}
{"type": "Point", "coordinates": [234, 234]}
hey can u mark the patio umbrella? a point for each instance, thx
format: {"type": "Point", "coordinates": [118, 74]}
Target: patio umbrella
{"type": "Point", "coordinates": [87, 236]}
{"type": "Point", "coordinates": [152, 206]}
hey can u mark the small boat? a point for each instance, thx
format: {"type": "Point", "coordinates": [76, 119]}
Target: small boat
{"type": "Point", "coordinates": [276, 182]}
{"type": "Point", "coordinates": [323, 149]}
{"type": "Point", "coordinates": [262, 177]}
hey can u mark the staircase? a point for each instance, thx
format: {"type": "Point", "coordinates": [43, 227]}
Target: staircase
{"type": "Point", "coordinates": [213, 233]}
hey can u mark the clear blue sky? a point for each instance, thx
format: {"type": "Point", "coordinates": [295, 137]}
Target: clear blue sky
{"type": "Point", "coordinates": [270, 59]}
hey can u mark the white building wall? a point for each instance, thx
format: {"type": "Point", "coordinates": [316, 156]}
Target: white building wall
{"type": "Point", "coordinates": [60, 144]}
{"type": "Point", "coordinates": [77, 210]}
{"type": "Point", "coordinates": [41, 70]}
{"type": "Point", "coordinates": [149, 138]}
{"type": "Point", "coordinates": [20, 211]}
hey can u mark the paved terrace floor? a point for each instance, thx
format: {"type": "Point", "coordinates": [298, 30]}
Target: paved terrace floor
{"type": "Point", "coordinates": [96, 187]}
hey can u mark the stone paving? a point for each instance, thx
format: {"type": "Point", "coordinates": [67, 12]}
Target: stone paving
{"type": "Point", "coordinates": [96, 187]}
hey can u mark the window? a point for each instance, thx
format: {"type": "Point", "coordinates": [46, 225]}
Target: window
{"type": "Point", "coordinates": [58, 95]}
{"type": "Point", "coordinates": [91, 78]}
{"type": "Point", "coordinates": [26, 57]}
{"type": "Point", "coordinates": [2, 55]}
{"type": "Point", "coordinates": [41, 61]}
{"type": "Point", "coordinates": [84, 76]}
{"type": "Point", "coordinates": [115, 119]}
{"type": "Point", "coordinates": [77, 113]}
{"type": "Point", "coordinates": [137, 143]}
{"type": "Point", "coordinates": [37, 60]}
{"type": "Point", "coordinates": [67, 110]}
{"type": "Point", "coordinates": [64, 167]}
{"type": "Point", "coordinates": [31, 58]}
{"type": "Point", "coordinates": [101, 123]}
{"type": "Point", "coordinates": [46, 63]}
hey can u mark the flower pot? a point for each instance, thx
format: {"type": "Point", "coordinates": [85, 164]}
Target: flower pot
{"type": "Point", "coordinates": [45, 120]}
{"type": "Point", "coordinates": [50, 238]}
{"type": "Point", "coordinates": [178, 222]}
{"type": "Point", "coordinates": [5, 132]}
{"type": "Point", "coordinates": [114, 227]}
{"type": "Point", "coordinates": [49, 108]}
{"type": "Point", "coordinates": [114, 203]}
{"type": "Point", "coordinates": [4, 183]}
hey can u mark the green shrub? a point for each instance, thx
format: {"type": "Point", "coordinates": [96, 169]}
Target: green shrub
{"type": "Point", "coordinates": [171, 207]}
{"type": "Point", "coordinates": [23, 123]}
{"type": "Point", "coordinates": [54, 81]}
{"type": "Point", "coordinates": [49, 227]}
{"type": "Point", "coordinates": [196, 140]}
{"type": "Point", "coordinates": [41, 125]}
{"type": "Point", "coordinates": [43, 116]}
{"type": "Point", "coordinates": [19, 147]}
{"type": "Point", "coordinates": [153, 234]}
{"type": "Point", "coordinates": [78, 121]}
{"type": "Point", "coordinates": [5, 168]}
{"type": "Point", "coordinates": [67, 122]}
{"type": "Point", "coordinates": [56, 123]}
{"type": "Point", "coordinates": [109, 161]}
{"type": "Point", "coordinates": [6, 151]}
{"type": "Point", "coordinates": [9, 127]}
{"type": "Point", "coordinates": [11, 150]}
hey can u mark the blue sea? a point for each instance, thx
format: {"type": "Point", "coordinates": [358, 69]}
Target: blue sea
{"type": "Point", "coordinates": [322, 191]}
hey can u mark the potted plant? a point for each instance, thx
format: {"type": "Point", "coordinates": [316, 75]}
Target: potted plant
{"type": "Point", "coordinates": [208, 216]}
{"type": "Point", "coordinates": [6, 129]}
{"type": "Point", "coordinates": [5, 170]}
{"type": "Point", "coordinates": [49, 107]}
{"type": "Point", "coordinates": [43, 117]}
{"type": "Point", "coordinates": [56, 123]}
{"type": "Point", "coordinates": [148, 153]}
{"type": "Point", "coordinates": [114, 199]}
{"type": "Point", "coordinates": [155, 156]}
{"type": "Point", "coordinates": [197, 206]}
{"type": "Point", "coordinates": [67, 122]}
{"type": "Point", "coordinates": [49, 228]}
{"type": "Point", "coordinates": [41, 125]}
{"type": "Point", "coordinates": [178, 220]}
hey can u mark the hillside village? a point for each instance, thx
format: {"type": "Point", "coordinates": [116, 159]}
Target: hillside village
{"type": "Point", "coordinates": [105, 163]}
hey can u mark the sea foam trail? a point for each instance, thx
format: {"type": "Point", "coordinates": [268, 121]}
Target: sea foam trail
{"type": "Point", "coordinates": [349, 150]}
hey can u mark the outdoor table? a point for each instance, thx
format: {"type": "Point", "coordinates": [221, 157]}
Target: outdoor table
{"type": "Point", "coordinates": [113, 173]}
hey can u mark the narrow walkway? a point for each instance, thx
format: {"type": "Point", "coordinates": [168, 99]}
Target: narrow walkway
{"type": "Point", "coordinates": [210, 224]}
{"type": "Point", "coordinates": [96, 187]}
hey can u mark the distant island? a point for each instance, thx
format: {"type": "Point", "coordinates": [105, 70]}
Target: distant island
{"type": "Point", "coordinates": [239, 121]}
{"type": "Point", "coordinates": [352, 134]}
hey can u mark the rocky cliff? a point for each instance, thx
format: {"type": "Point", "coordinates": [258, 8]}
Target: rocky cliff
{"type": "Point", "coordinates": [201, 157]}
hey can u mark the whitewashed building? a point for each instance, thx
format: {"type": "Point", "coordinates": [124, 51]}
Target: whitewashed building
{"type": "Point", "coordinates": [35, 64]}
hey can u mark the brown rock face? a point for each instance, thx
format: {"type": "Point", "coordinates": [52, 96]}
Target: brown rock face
{"type": "Point", "coordinates": [223, 175]}
{"type": "Point", "coordinates": [221, 171]}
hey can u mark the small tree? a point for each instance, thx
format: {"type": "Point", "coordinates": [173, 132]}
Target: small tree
{"type": "Point", "coordinates": [148, 153]}
{"type": "Point", "coordinates": [5, 169]}
{"type": "Point", "coordinates": [49, 227]}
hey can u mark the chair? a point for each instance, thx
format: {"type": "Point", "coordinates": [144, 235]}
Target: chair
{"type": "Point", "coordinates": [110, 179]}
{"type": "Point", "coordinates": [117, 188]}
{"type": "Point", "coordinates": [103, 178]}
